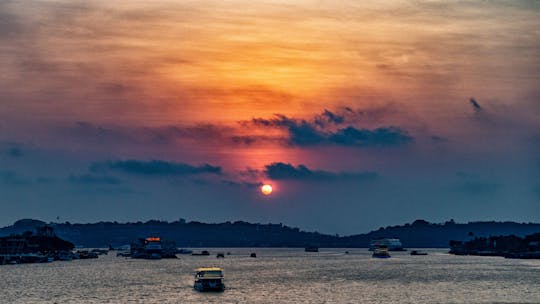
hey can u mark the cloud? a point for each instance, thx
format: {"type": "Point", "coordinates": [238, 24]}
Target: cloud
{"type": "Point", "coordinates": [306, 133]}
{"type": "Point", "coordinates": [386, 136]}
{"type": "Point", "coordinates": [241, 184]}
{"type": "Point", "coordinates": [476, 106]}
{"type": "Point", "coordinates": [286, 171]}
{"type": "Point", "coordinates": [91, 179]}
{"type": "Point", "coordinates": [155, 167]}
{"type": "Point", "coordinates": [328, 117]}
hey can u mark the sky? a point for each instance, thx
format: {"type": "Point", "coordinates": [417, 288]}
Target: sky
{"type": "Point", "coordinates": [360, 114]}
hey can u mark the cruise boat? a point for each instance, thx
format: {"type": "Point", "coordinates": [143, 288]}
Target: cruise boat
{"type": "Point", "coordinates": [209, 279]}
{"type": "Point", "coordinates": [381, 252]}
{"type": "Point", "coordinates": [149, 248]}
{"type": "Point", "coordinates": [393, 244]}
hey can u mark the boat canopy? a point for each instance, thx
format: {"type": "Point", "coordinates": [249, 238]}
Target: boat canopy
{"type": "Point", "coordinates": [209, 269]}
{"type": "Point", "coordinates": [209, 273]}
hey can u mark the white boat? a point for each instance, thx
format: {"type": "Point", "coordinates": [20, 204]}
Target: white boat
{"type": "Point", "coordinates": [209, 279]}
{"type": "Point", "coordinates": [393, 244]}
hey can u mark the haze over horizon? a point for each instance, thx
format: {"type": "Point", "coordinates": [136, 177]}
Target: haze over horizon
{"type": "Point", "coordinates": [359, 114]}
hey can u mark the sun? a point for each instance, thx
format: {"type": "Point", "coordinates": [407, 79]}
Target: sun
{"type": "Point", "coordinates": [266, 189]}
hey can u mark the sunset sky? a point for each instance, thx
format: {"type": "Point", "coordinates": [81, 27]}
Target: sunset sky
{"type": "Point", "coordinates": [360, 114]}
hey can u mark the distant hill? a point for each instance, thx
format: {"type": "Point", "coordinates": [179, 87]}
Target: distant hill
{"type": "Point", "coordinates": [242, 234]}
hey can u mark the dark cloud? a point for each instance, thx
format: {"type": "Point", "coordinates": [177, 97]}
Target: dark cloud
{"type": "Point", "coordinates": [328, 117]}
{"type": "Point", "coordinates": [155, 167]}
{"type": "Point", "coordinates": [241, 184]}
{"type": "Point", "coordinates": [476, 106]}
{"type": "Point", "coordinates": [306, 133]}
{"type": "Point", "coordinates": [326, 128]}
{"type": "Point", "coordinates": [386, 136]}
{"type": "Point", "coordinates": [90, 179]}
{"type": "Point", "coordinates": [284, 171]}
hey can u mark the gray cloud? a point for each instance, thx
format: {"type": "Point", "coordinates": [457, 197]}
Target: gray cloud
{"type": "Point", "coordinates": [286, 171]}
{"type": "Point", "coordinates": [306, 133]}
{"type": "Point", "coordinates": [155, 167]}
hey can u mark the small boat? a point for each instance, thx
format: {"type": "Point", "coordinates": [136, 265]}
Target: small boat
{"type": "Point", "coordinates": [416, 252]}
{"type": "Point", "coordinates": [204, 252]}
{"type": "Point", "coordinates": [311, 249]}
{"type": "Point", "coordinates": [209, 279]}
{"type": "Point", "coordinates": [220, 255]}
{"type": "Point", "coordinates": [253, 255]}
{"type": "Point", "coordinates": [381, 252]}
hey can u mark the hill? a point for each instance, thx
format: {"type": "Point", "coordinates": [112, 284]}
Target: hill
{"type": "Point", "coordinates": [242, 234]}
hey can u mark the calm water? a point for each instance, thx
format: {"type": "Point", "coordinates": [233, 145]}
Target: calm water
{"type": "Point", "coordinates": [279, 276]}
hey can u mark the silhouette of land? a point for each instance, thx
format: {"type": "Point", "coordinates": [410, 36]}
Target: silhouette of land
{"type": "Point", "coordinates": [419, 234]}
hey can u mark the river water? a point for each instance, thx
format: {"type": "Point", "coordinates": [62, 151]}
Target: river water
{"type": "Point", "coordinates": [279, 276]}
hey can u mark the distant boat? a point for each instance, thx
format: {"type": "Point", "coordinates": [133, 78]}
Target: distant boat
{"type": "Point", "coordinates": [220, 255]}
{"type": "Point", "coordinates": [148, 248]}
{"type": "Point", "coordinates": [311, 249]}
{"type": "Point", "coordinates": [184, 251]}
{"type": "Point", "coordinates": [416, 252]}
{"type": "Point", "coordinates": [253, 255]}
{"type": "Point", "coordinates": [209, 279]}
{"type": "Point", "coordinates": [393, 244]}
{"type": "Point", "coordinates": [204, 252]}
{"type": "Point", "coordinates": [381, 252]}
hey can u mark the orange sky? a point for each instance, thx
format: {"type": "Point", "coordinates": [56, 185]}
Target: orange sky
{"type": "Point", "coordinates": [164, 62]}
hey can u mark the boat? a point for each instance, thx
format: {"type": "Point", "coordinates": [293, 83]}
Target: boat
{"type": "Point", "coordinates": [153, 248]}
{"type": "Point", "coordinates": [85, 254]}
{"type": "Point", "coordinates": [184, 251]}
{"type": "Point", "coordinates": [381, 252]}
{"type": "Point", "coordinates": [209, 279]}
{"type": "Point", "coordinates": [311, 249]}
{"type": "Point", "coordinates": [416, 252]}
{"type": "Point", "coordinates": [148, 248]}
{"type": "Point", "coordinates": [220, 255]}
{"type": "Point", "coordinates": [204, 252]}
{"type": "Point", "coordinates": [253, 255]}
{"type": "Point", "coordinates": [393, 244]}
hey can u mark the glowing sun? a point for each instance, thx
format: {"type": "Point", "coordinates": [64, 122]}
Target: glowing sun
{"type": "Point", "coordinates": [266, 189]}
